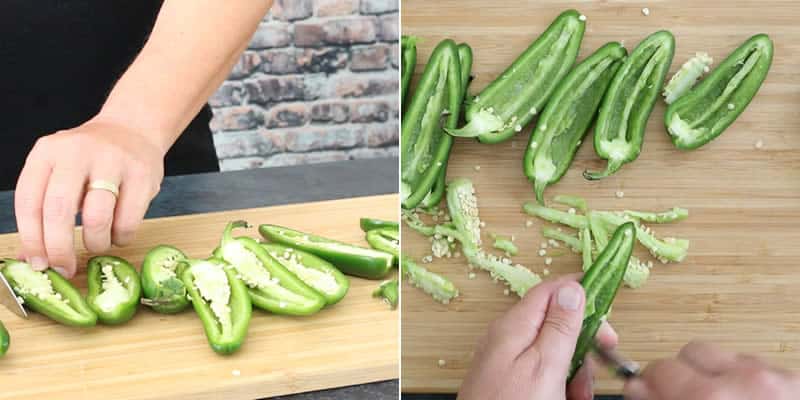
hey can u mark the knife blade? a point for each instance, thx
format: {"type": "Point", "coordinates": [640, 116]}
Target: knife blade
{"type": "Point", "coordinates": [623, 368]}
{"type": "Point", "coordinates": [9, 299]}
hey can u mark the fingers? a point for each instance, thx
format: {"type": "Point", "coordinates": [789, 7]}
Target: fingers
{"type": "Point", "coordinates": [97, 216]}
{"type": "Point", "coordinates": [520, 325]}
{"type": "Point", "coordinates": [582, 385]}
{"type": "Point", "coordinates": [136, 191]}
{"type": "Point", "coordinates": [560, 329]}
{"type": "Point", "coordinates": [606, 336]}
{"type": "Point", "coordinates": [663, 380]}
{"type": "Point", "coordinates": [28, 204]}
{"type": "Point", "coordinates": [61, 201]}
{"type": "Point", "coordinates": [707, 357]}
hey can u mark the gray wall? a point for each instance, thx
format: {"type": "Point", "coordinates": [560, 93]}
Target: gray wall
{"type": "Point", "coordinates": [318, 83]}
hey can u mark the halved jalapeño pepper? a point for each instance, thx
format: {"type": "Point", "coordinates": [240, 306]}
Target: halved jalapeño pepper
{"type": "Point", "coordinates": [627, 104]}
{"type": "Point", "coordinates": [221, 301]}
{"type": "Point", "coordinates": [48, 293]}
{"type": "Point", "coordinates": [512, 100]}
{"type": "Point", "coordinates": [5, 340]}
{"type": "Point", "coordinates": [162, 287]}
{"type": "Point", "coordinates": [408, 60]}
{"type": "Point", "coordinates": [315, 272]}
{"type": "Point", "coordinates": [567, 117]}
{"type": "Point", "coordinates": [386, 240]}
{"type": "Point", "coordinates": [114, 289]}
{"type": "Point", "coordinates": [272, 287]}
{"type": "Point", "coordinates": [352, 260]}
{"type": "Point", "coordinates": [710, 107]}
{"type": "Point", "coordinates": [368, 224]}
{"type": "Point", "coordinates": [601, 282]}
{"type": "Point", "coordinates": [424, 146]}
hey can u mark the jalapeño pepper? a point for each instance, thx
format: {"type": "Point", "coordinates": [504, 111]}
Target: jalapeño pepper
{"type": "Point", "coordinates": [386, 240]}
{"type": "Point", "coordinates": [567, 117]}
{"type": "Point", "coordinates": [424, 146]}
{"type": "Point", "coordinates": [5, 340]}
{"type": "Point", "coordinates": [601, 282]}
{"type": "Point", "coordinates": [272, 287]}
{"type": "Point", "coordinates": [352, 260]}
{"type": "Point", "coordinates": [627, 104]}
{"type": "Point", "coordinates": [708, 109]}
{"type": "Point", "coordinates": [48, 293]}
{"type": "Point", "coordinates": [315, 272]}
{"type": "Point", "coordinates": [512, 100]}
{"type": "Point", "coordinates": [162, 287]}
{"type": "Point", "coordinates": [114, 289]}
{"type": "Point", "coordinates": [436, 193]}
{"type": "Point", "coordinates": [408, 60]}
{"type": "Point", "coordinates": [221, 301]}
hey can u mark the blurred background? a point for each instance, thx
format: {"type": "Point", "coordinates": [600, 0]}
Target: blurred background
{"type": "Point", "coordinates": [318, 83]}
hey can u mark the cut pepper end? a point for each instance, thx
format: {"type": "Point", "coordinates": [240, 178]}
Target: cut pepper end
{"type": "Point", "coordinates": [611, 167]}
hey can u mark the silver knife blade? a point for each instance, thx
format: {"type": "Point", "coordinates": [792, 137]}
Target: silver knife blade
{"type": "Point", "coordinates": [9, 299]}
{"type": "Point", "coordinates": [623, 368]}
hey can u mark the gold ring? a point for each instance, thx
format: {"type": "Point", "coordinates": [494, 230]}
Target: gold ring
{"type": "Point", "coordinates": [105, 185]}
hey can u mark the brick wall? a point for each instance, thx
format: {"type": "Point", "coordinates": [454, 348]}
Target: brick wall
{"type": "Point", "coordinates": [318, 83]}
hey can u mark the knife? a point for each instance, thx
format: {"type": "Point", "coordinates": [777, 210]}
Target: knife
{"type": "Point", "coordinates": [623, 368]}
{"type": "Point", "coordinates": [9, 299]}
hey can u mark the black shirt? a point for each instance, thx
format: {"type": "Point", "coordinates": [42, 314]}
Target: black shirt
{"type": "Point", "coordinates": [59, 59]}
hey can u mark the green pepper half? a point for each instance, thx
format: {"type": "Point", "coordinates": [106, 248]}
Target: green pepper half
{"type": "Point", "coordinates": [709, 108]}
{"type": "Point", "coordinates": [5, 340]}
{"type": "Point", "coordinates": [626, 106]}
{"type": "Point", "coordinates": [221, 301]}
{"type": "Point", "coordinates": [315, 272]}
{"type": "Point", "coordinates": [512, 100]}
{"type": "Point", "coordinates": [352, 260]}
{"type": "Point", "coordinates": [272, 287]}
{"type": "Point", "coordinates": [601, 283]}
{"type": "Point", "coordinates": [567, 117]}
{"type": "Point", "coordinates": [48, 293]}
{"type": "Point", "coordinates": [386, 240]}
{"type": "Point", "coordinates": [424, 146]}
{"type": "Point", "coordinates": [162, 287]}
{"type": "Point", "coordinates": [114, 289]}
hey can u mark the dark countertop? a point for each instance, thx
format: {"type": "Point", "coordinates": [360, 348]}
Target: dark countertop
{"type": "Point", "coordinates": [192, 194]}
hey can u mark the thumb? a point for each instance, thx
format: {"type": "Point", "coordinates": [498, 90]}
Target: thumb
{"type": "Point", "coordinates": [556, 341]}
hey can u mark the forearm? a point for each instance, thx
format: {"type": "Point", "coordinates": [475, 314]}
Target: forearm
{"type": "Point", "coordinates": [191, 50]}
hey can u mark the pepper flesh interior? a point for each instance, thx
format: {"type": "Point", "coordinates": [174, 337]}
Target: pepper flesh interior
{"type": "Point", "coordinates": [318, 279]}
{"type": "Point", "coordinates": [213, 286]}
{"type": "Point", "coordinates": [113, 293]}
{"type": "Point", "coordinates": [35, 283]}
{"type": "Point", "coordinates": [167, 269]}
{"type": "Point", "coordinates": [247, 264]}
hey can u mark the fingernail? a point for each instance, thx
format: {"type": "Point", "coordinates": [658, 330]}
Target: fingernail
{"type": "Point", "coordinates": [61, 271]}
{"type": "Point", "coordinates": [569, 298]}
{"type": "Point", "coordinates": [38, 263]}
{"type": "Point", "coordinates": [636, 389]}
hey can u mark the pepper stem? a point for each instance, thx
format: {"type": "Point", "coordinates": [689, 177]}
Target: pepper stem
{"type": "Point", "coordinates": [227, 234]}
{"type": "Point", "coordinates": [612, 166]}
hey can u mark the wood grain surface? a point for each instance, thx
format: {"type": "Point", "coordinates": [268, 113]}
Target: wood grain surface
{"type": "Point", "coordinates": [738, 287]}
{"type": "Point", "coordinates": [167, 357]}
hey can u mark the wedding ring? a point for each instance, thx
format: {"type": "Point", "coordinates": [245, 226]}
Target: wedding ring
{"type": "Point", "coordinates": [105, 185]}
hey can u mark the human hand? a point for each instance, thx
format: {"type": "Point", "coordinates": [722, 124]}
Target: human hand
{"type": "Point", "coordinates": [527, 351]}
{"type": "Point", "coordinates": [702, 371]}
{"type": "Point", "coordinates": [52, 188]}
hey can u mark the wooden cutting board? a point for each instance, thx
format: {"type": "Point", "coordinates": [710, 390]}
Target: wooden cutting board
{"type": "Point", "coordinates": [157, 356]}
{"type": "Point", "coordinates": [739, 285]}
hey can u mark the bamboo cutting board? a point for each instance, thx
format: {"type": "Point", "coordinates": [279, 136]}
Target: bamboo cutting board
{"type": "Point", "coordinates": [738, 287]}
{"type": "Point", "coordinates": [158, 356]}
